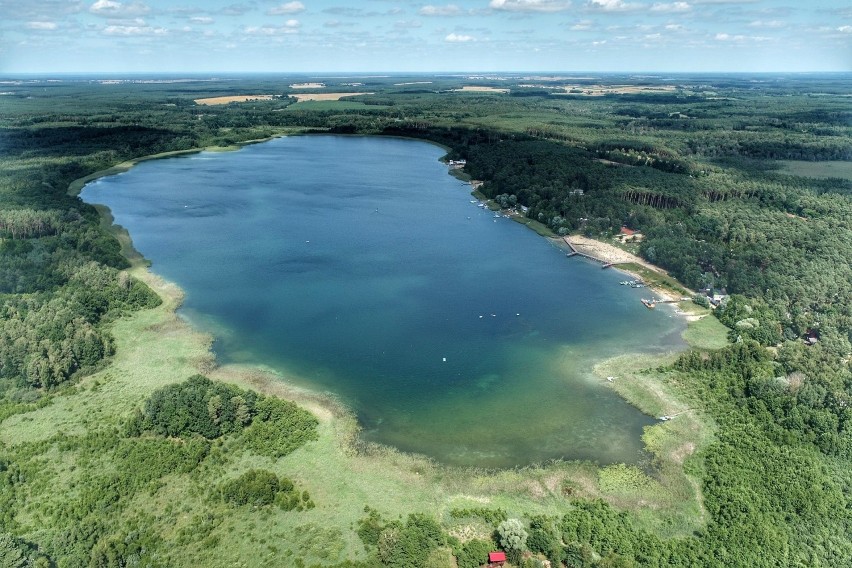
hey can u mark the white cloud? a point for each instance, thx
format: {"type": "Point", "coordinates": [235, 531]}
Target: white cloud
{"type": "Point", "coordinates": [133, 31]}
{"type": "Point", "coordinates": [407, 24]}
{"type": "Point", "coordinates": [582, 26]}
{"type": "Point", "coordinates": [671, 7]}
{"type": "Point", "coordinates": [289, 27]}
{"type": "Point", "coordinates": [769, 24]}
{"type": "Point", "coordinates": [288, 8]}
{"type": "Point", "coordinates": [114, 9]}
{"type": "Point", "coordinates": [448, 10]}
{"type": "Point", "coordinates": [42, 26]}
{"type": "Point", "coordinates": [459, 38]}
{"type": "Point", "coordinates": [203, 20]}
{"type": "Point", "coordinates": [729, 37]}
{"type": "Point", "coordinates": [613, 5]}
{"type": "Point", "coordinates": [530, 5]}
{"type": "Point", "coordinates": [674, 27]}
{"type": "Point", "coordinates": [845, 29]}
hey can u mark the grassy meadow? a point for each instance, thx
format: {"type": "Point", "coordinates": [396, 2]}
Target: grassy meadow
{"type": "Point", "coordinates": [809, 169]}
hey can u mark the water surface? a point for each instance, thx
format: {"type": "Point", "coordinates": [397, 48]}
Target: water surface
{"type": "Point", "coordinates": [358, 266]}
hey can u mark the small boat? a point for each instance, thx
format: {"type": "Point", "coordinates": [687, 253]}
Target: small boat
{"type": "Point", "coordinates": [650, 304]}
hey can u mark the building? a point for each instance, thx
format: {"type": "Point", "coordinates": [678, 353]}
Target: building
{"type": "Point", "coordinates": [496, 558]}
{"type": "Point", "coordinates": [627, 235]}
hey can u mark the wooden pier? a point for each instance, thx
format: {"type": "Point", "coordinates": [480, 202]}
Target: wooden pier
{"type": "Point", "coordinates": [575, 252]}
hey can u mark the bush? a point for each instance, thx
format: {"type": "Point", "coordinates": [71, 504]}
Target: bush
{"type": "Point", "coordinates": [491, 516]}
{"type": "Point", "coordinates": [512, 536]}
{"type": "Point", "coordinates": [255, 487]}
{"type": "Point", "coordinates": [279, 427]}
{"type": "Point", "coordinates": [474, 553]}
{"type": "Point", "coordinates": [260, 487]}
{"type": "Point", "coordinates": [198, 406]}
{"type": "Point", "coordinates": [270, 426]}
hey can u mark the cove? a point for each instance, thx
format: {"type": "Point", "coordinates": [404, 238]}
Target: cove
{"type": "Point", "coordinates": [357, 266]}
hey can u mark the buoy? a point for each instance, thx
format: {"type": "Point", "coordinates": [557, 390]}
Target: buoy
{"type": "Point", "coordinates": [445, 359]}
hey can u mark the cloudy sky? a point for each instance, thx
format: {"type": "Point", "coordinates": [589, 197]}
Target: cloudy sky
{"type": "Point", "coordinates": [38, 36]}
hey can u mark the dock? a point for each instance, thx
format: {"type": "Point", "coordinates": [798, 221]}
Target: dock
{"type": "Point", "coordinates": [575, 252]}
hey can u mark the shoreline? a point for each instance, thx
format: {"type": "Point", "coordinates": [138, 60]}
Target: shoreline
{"type": "Point", "coordinates": [617, 258]}
{"type": "Point", "coordinates": [77, 185]}
{"type": "Point", "coordinates": [257, 376]}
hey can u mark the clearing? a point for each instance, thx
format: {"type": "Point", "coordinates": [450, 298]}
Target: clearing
{"type": "Point", "coordinates": [829, 169]}
{"type": "Point", "coordinates": [324, 96]}
{"type": "Point", "coordinates": [234, 99]}
{"type": "Point", "coordinates": [476, 89]}
{"type": "Point", "coordinates": [601, 90]}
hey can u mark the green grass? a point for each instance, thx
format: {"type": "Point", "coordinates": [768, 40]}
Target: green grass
{"type": "Point", "coordinates": [830, 169]}
{"type": "Point", "coordinates": [656, 279]}
{"type": "Point", "coordinates": [669, 501]}
{"type": "Point", "coordinates": [706, 333]}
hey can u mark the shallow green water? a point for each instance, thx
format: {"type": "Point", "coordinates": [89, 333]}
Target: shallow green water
{"type": "Point", "coordinates": [357, 266]}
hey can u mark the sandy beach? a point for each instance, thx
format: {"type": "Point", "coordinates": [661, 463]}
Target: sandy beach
{"type": "Point", "coordinates": [612, 254]}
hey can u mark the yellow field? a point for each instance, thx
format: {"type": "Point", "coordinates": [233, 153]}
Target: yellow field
{"type": "Point", "coordinates": [476, 89]}
{"type": "Point", "coordinates": [234, 99]}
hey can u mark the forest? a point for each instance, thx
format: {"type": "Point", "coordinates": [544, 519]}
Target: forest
{"type": "Point", "coordinates": [98, 468]}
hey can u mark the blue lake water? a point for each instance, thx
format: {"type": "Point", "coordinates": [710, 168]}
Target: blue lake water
{"type": "Point", "coordinates": [358, 266]}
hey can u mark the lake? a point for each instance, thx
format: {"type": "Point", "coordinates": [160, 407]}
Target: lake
{"type": "Point", "coordinates": [357, 266]}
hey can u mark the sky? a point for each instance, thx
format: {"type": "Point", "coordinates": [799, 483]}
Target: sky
{"type": "Point", "coordinates": [316, 36]}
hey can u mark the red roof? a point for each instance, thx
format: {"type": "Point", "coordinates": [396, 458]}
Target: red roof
{"type": "Point", "coordinates": [496, 556]}
{"type": "Point", "coordinates": [626, 231]}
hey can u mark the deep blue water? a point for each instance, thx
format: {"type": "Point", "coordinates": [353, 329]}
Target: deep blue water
{"type": "Point", "coordinates": [358, 266]}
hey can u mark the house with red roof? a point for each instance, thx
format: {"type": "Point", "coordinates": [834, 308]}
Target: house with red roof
{"type": "Point", "coordinates": [626, 234]}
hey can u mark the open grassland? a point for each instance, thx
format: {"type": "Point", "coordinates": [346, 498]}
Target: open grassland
{"type": "Point", "coordinates": [707, 332]}
{"type": "Point", "coordinates": [830, 169]}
